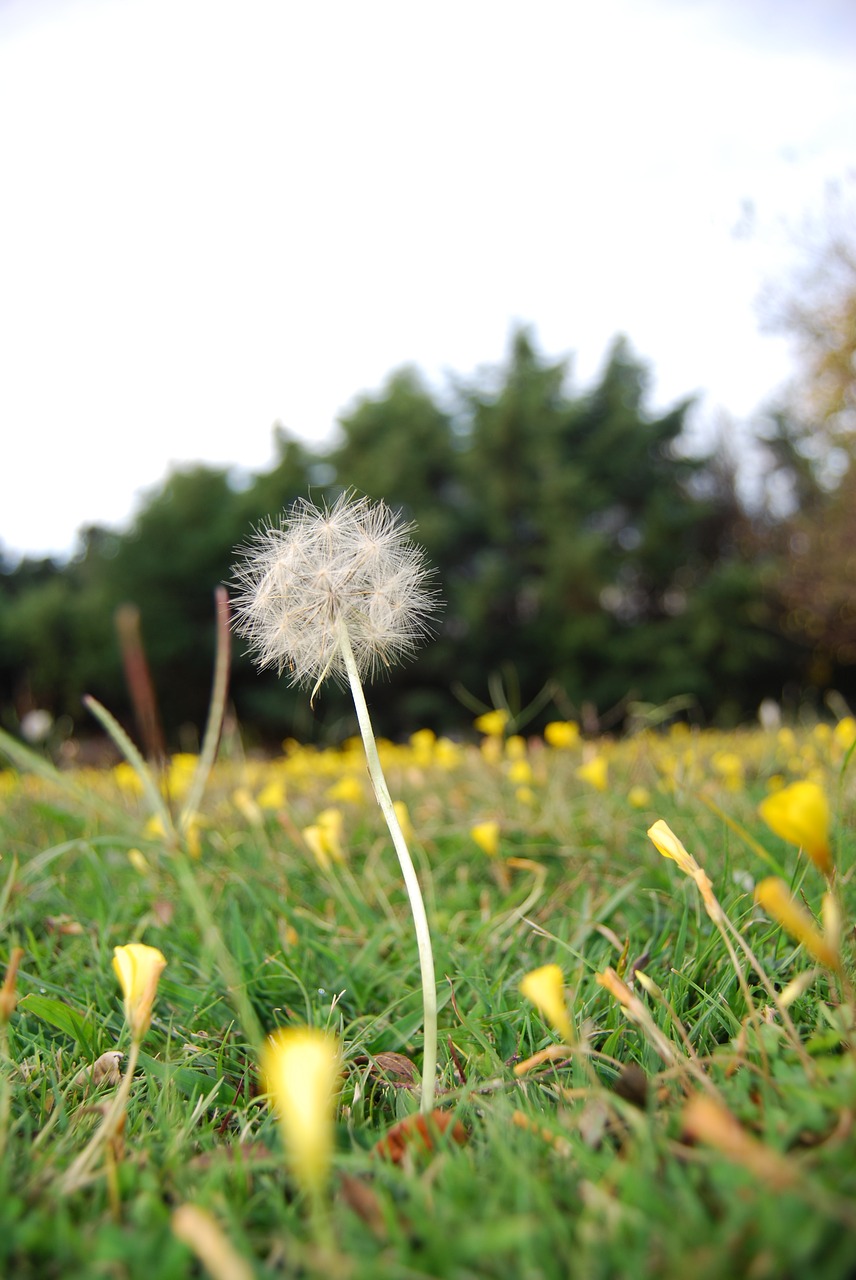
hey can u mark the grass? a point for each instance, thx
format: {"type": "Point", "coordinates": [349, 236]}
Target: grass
{"type": "Point", "coordinates": [594, 1159]}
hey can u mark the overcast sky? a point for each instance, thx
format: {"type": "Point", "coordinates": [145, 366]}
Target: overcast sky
{"type": "Point", "coordinates": [215, 217]}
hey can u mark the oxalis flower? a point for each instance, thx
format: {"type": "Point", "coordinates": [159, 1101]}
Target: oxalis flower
{"type": "Point", "coordinates": [343, 592]}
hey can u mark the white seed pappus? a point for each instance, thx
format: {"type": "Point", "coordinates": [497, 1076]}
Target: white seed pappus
{"type": "Point", "coordinates": [318, 569]}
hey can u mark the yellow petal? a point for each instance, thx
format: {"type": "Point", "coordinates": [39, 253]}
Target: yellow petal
{"type": "Point", "coordinates": [301, 1068]}
{"type": "Point", "coordinates": [595, 772]}
{"type": "Point", "coordinates": [486, 836]}
{"type": "Point", "coordinates": [545, 987]}
{"type": "Point", "coordinates": [562, 734]}
{"type": "Point", "coordinates": [800, 814]}
{"type": "Point", "coordinates": [774, 896]}
{"type": "Point", "coordinates": [667, 843]}
{"type": "Point", "coordinates": [138, 969]}
{"type": "Point", "coordinates": [492, 723]}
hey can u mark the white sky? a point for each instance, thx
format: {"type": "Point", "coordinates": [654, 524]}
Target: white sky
{"type": "Point", "coordinates": [218, 216]}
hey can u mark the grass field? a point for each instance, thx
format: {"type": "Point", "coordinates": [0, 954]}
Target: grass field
{"type": "Point", "coordinates": [698, 1121]}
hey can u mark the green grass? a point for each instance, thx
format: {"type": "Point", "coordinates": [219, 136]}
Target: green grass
{"type": "Point", "coordinates": [561, 1175]}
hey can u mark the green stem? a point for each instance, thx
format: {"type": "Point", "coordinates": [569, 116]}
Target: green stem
{"type": "Point", "coordinates": [411, 881]}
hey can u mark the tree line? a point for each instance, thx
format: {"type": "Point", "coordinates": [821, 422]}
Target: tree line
{"type": "Point", "coordinates": [590, 565]}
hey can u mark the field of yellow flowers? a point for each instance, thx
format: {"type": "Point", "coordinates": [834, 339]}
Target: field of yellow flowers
{"type": "Point", "coordinates": [212, 1032]}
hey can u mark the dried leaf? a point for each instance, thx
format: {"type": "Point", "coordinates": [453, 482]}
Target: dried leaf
{"type": "Point", "coordinates": [632, 1085]}
{"type": "Point", "coordinates": [63, 925]}
{"type": "Point", "coordinates": [359, 1196]}
{"type": "Point", "coordinates": [391, 1068]}
{"type": "Point", "coordinates": [418, 1135]}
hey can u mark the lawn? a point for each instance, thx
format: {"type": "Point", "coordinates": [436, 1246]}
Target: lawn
{"type": "Point", "coordinates": [679, 1101]}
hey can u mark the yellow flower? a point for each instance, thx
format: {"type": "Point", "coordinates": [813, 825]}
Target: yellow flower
{"type": "Point", "coordinates": [667, 843]}
{"type": "Point", "coordinates": [347, 791]}
{"type": "Point", "coordinates": [403, 815]}
{"type": "Point", "coordinates": [562, 734]}
{"type": "Point", "coordinates": [773, 895]}
{"type": "Point", "coordinates": [422, 744]}
{"type": "Point", "coordinates": [301, 1067]}
{"type": "Point", "coordinates": [127, 778]}
{"type": "Point", "coordinates": [272, 795]}
{"type": "Point", "coordinates": [492, 723]}
{"type": "Point", "coordinates": [520, 772]}
{"type": "Point", "coordinates": [545, 987]}
{"type": "Point", "coordinates": [138, 969]}
{"type": "Point", "coordinates": [844, 733]}
{"type": "Point", "coordinates": [729, 766]}
{"type": "Point", "coordinates": [639, 797]}
{"type": "Point", "coordinates": [800, 814]}
{"type": "Point", "coordinates": [325, 838]}
{"type": "Point", "coordinates": [486, 836]}
{"type": "Point", "coordinates": [596, 772]}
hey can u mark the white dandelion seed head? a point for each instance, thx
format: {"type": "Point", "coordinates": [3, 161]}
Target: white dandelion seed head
{"type": "Point", "coordinates": [319, 568]}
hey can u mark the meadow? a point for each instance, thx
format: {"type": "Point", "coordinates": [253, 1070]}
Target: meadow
{"type": "Point", "coordinates": [646, 1047]}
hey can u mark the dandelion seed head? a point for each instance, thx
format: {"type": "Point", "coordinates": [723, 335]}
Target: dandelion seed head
{"type": "Point", "coordinates": [320, 568]}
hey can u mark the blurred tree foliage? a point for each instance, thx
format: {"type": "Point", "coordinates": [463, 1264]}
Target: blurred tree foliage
{"type": "Point", "coordinates": [811, 441]}
{"type": "Point", "coordinates": [580, 551]}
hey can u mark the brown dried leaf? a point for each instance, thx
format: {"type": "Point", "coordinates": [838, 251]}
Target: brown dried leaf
{"type": "Point", "coordinates": [391, 1068]}
{"type": "Point", "coordinates": [359, 1196]}
{"type": "Point", "coordinates": [63, 925]}
{"type": "Point", "coordinates": [418, 1135]}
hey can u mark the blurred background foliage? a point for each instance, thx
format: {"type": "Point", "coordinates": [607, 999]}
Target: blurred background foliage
{"type": "Point", "coordinates": [588, 559]}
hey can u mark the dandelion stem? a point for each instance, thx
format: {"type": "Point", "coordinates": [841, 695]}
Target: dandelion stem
{"type": "Point", "coordinates": [411, 881]}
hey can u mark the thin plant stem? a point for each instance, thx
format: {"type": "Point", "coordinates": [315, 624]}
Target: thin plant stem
{"type": "Point", "coordinates": [411, 881]}
{"type": "Point", "coordinates": [217, 949]}
{"type": "Point", "coordinates": [216, 711]}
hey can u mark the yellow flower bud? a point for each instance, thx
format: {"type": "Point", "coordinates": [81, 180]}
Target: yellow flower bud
{"type": "Point", "coordinates": [800, 814]}
{"type": "Point", "coordinates": [545, 987]}
{"type": "Point", "coordinates": [667, 843]}
{"type": "Point", "coordinates": [138, 969]}
{"type": "Point", "coordinates": [773, 895]}
{"type": "Point", "coordinates": [301, 1067]}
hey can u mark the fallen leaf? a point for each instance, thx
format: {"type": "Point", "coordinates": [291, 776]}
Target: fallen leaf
{"type": "Point", "coordinates": [418, 1135]}
{"type": "Point", "coordinates": [359, 1196]}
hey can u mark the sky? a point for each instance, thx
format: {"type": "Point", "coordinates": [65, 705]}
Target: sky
{"type": "Point", "coordinates": [219, 217]}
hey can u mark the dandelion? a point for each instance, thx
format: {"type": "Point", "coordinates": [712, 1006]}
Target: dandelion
{"type": "Point", "coordinates": [301, 1068]}
{"type": "Point", "coordinates": [330, 588]}
{"type": "Point", "coordinates": [800, 814]}
{"type": "Point", "coordinates": [545, 987]}
{"type": "Point", "coordinates": [342, 592]}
